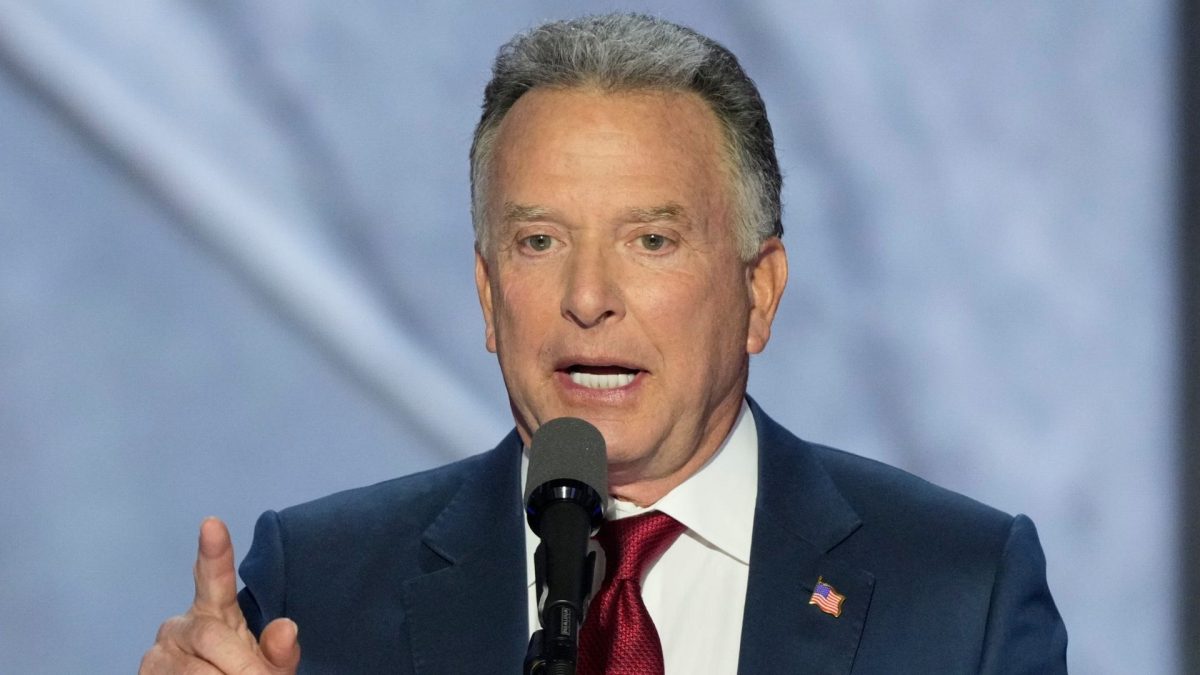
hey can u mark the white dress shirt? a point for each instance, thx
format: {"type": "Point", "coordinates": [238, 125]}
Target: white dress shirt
{"type": "Point", "coordinates": [696, 592]}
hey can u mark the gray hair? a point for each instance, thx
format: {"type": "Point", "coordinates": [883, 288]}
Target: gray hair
{"type": "Point", "coordinates": [634, 51]}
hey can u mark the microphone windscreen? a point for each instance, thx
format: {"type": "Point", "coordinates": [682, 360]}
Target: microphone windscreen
{"type": "Point", "coordinates": [568, 447]}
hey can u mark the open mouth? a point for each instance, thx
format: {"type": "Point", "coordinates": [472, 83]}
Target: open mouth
{"type": "Point", "coordinates": [602, 377]}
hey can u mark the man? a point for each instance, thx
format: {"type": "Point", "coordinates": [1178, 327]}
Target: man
{"type": "Point", "coordinates": [626, 206]}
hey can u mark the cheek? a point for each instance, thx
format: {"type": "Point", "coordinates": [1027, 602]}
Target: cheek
{"type": "Point", "coordinates": [520, 313]}
{"type": "Point", "coordinates": [692, 316]}
{"type": "Point", "coordinates": [663, 302]}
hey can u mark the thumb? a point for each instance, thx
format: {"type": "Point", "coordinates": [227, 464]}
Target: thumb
{"type": "Point", "coordinates": [280, 646]}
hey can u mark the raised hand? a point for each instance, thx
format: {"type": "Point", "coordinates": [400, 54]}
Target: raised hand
{"type": "Point", "coordinates": [212, 637]}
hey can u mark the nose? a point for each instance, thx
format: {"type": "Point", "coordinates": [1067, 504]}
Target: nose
{"type": "Point", "coordinates": [592, 294]}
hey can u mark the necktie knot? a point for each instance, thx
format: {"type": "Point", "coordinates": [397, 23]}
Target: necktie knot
{"type": "Point", "coordinates": [632, 544]}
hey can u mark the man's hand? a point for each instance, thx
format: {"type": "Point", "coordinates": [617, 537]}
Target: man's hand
{"type": "Point", "coordinates": [213, 637]}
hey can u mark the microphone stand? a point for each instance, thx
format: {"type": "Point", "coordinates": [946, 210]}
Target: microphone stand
{"type": "Point", "coordinates": [565, 488]}
{"type": "Point", "coordinates": [557, 654]}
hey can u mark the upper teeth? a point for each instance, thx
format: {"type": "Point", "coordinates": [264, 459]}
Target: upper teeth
{"type": "Point", "coordinates": [593, 381]}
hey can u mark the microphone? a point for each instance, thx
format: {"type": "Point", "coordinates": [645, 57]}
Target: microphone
{"type": "Point", "coordinates": [566, 490]}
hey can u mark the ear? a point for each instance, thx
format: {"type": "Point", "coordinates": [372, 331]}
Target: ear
{"type": "Point", "coordinates": [483, 286]}
{"type": "Point", "coordinates": [766, 277]}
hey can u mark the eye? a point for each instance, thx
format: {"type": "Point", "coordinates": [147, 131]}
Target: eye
{"type": "Point", "coordinates": [538, 242]}
{"type": "Point", "coordinates": [652, 242]}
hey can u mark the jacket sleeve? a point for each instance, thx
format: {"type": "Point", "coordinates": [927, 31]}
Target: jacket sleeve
{"type": "Point", "coordinates": [1025, 633]}
{"type": "Point", "coordinates": [262, 570]}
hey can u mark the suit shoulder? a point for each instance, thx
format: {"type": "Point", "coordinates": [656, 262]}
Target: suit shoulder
{"type": "Point", "coordinates": [406, 502]}
{"type": "Point", "coordinates": [874, 490]}
{"type": "Point", "coordinates": [870, 482]}
{"type": "Point", "coordinates": [858, 474]}
{"type": "Point", "coordinates": [878, 489]}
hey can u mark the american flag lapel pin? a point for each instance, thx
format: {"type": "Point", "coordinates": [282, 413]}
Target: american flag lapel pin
{"type": "Point", "coordinates": [827, 598]}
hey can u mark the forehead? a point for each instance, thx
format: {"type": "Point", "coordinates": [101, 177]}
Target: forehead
{"type": "Point", "coordinates": [667, 139]}
{"type": "Point", "coordinates": [655, 110]}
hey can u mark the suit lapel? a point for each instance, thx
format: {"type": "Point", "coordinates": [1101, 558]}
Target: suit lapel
{"type": "Point", "coordinates": [468, 615]}
{"type": "Point", "coordinates": [799, 518]}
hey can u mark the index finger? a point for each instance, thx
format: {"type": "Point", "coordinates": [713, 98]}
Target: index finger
{"type": "Point", "coordinates": [216, 581]}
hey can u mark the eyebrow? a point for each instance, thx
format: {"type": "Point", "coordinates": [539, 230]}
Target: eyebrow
{"type": "Point", "coordinates": [668, 211]}
{"type": "Point", "coordinates": [526, 213]}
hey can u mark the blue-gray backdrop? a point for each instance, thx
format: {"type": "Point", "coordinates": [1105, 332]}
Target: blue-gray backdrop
{"type": "Point", "coordinates": [235, 274]}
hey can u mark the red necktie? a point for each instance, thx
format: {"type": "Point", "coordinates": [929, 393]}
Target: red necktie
{"type": "Point", "coordinates": [618, 637]}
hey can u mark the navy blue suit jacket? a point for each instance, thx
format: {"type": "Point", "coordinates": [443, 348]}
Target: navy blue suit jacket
{"type": "Point", "coordinates": [426, 574]}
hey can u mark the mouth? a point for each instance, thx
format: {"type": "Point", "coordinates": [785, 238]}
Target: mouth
{"type": "Point", "coordinates": [591, 376]}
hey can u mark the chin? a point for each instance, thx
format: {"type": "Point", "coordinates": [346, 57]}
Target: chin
{"type": "Point", "coordinates": [618, 446]}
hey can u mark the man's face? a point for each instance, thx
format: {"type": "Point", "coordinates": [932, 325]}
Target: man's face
{"type": "Point", "coordinates": [612, 289]}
